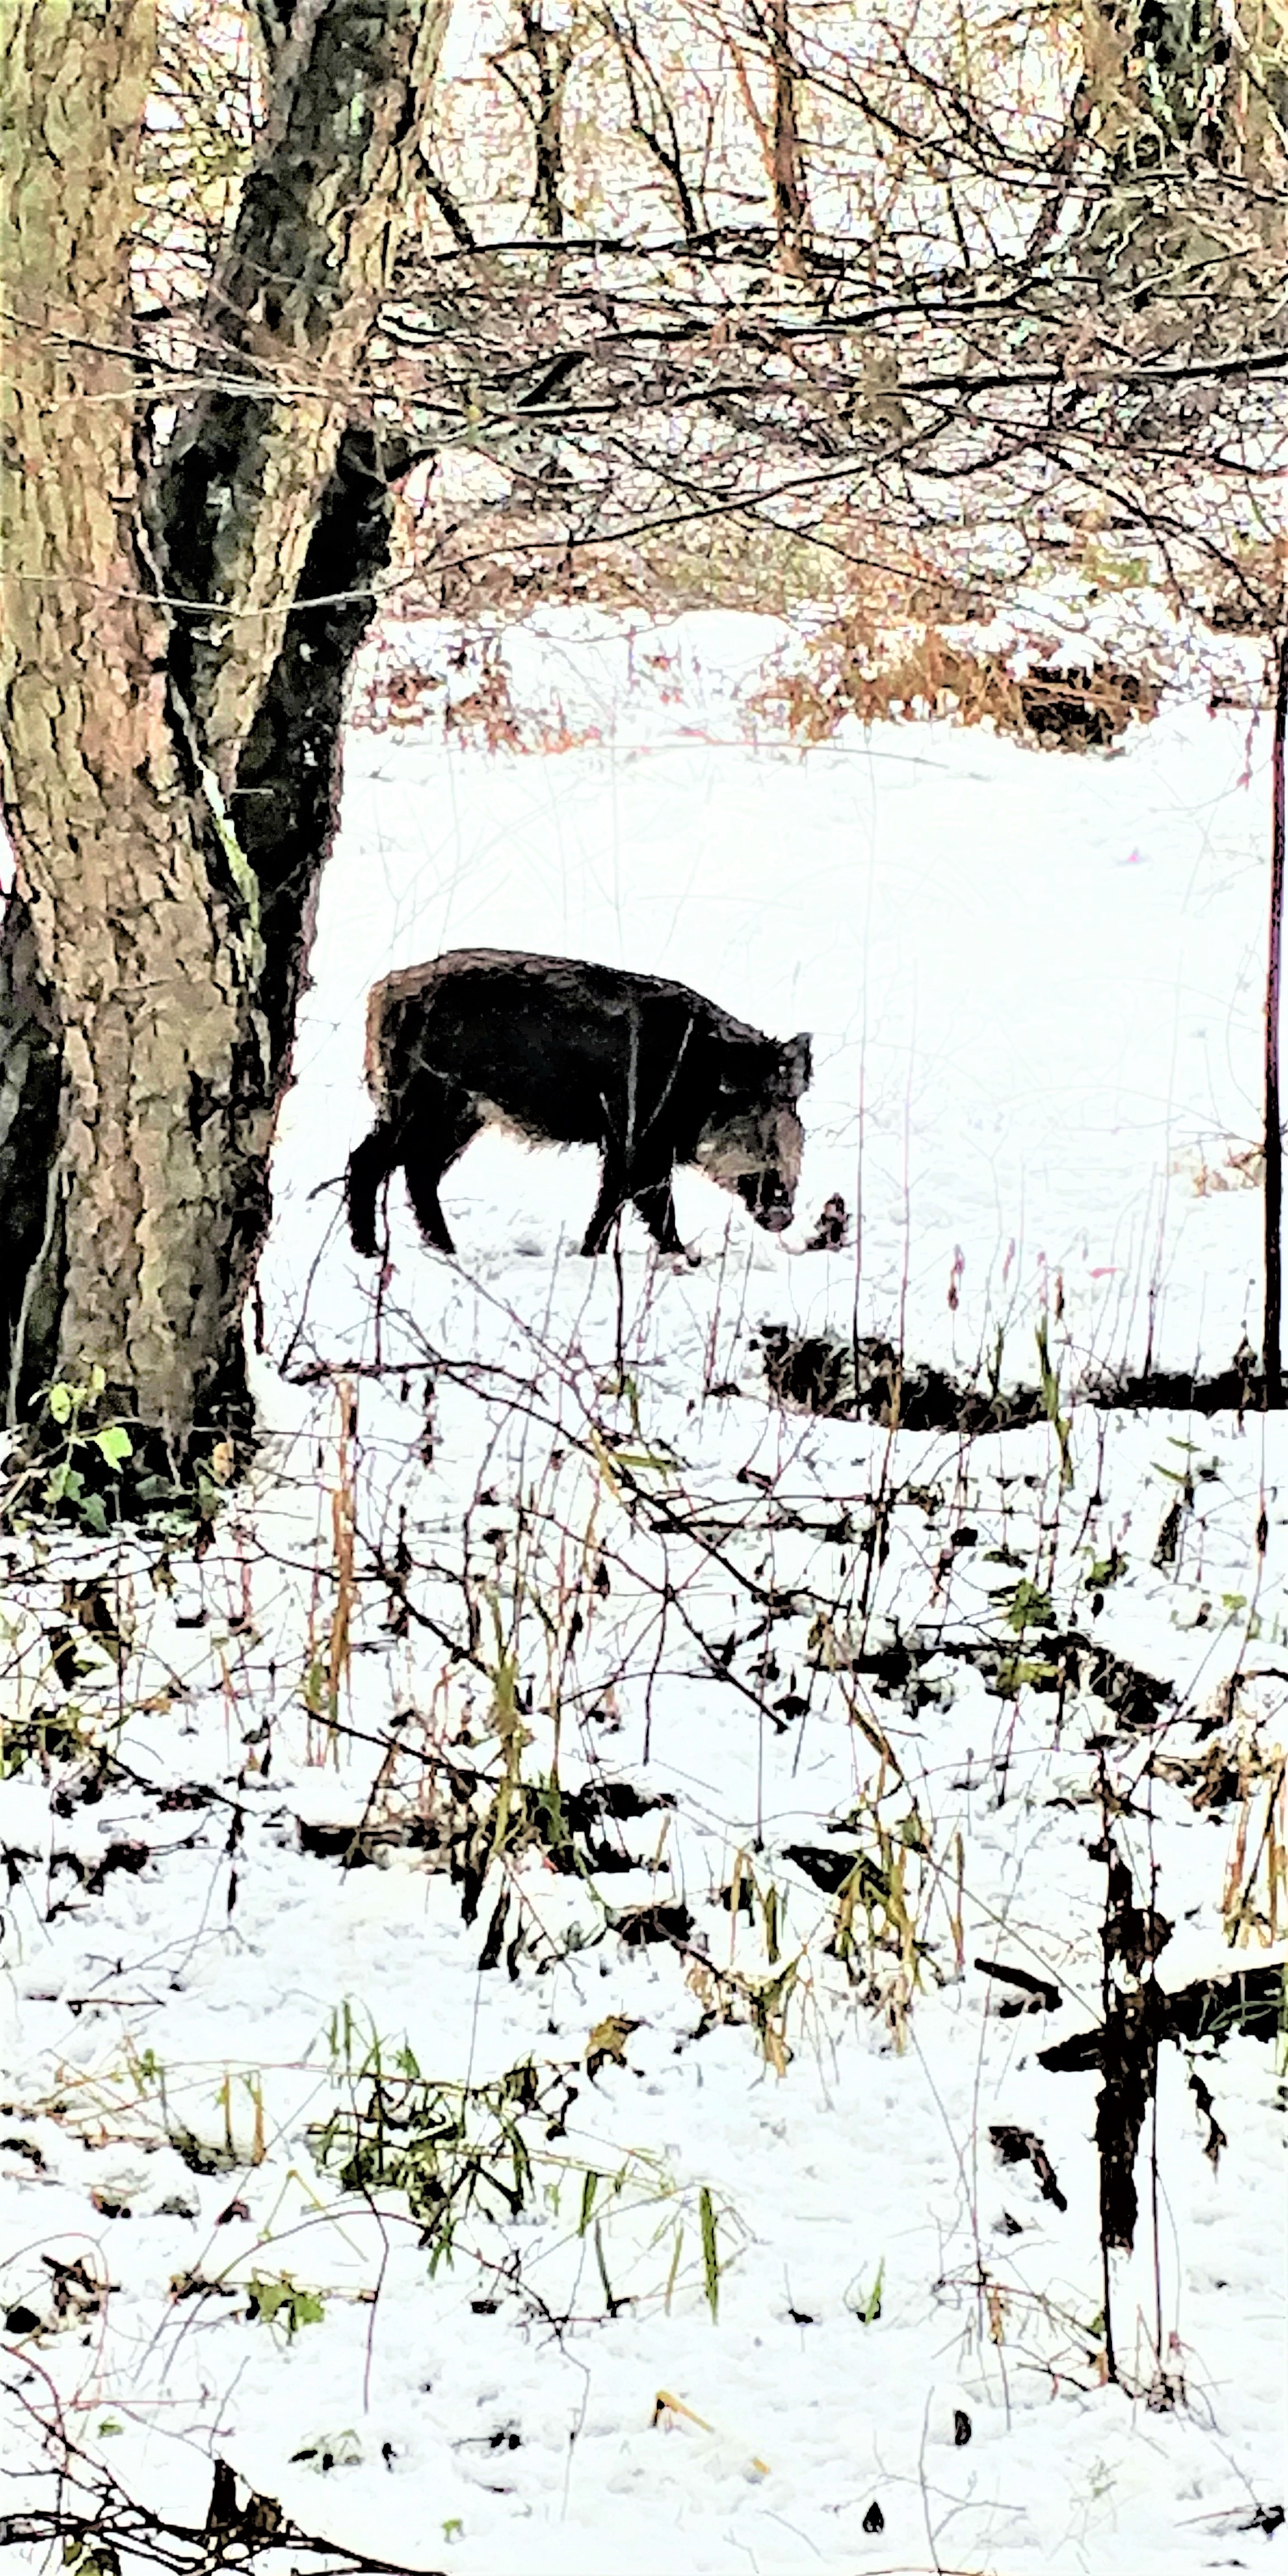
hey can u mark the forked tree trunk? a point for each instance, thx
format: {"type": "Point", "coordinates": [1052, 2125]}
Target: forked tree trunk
{"type": "Point", "coordinates": [150, 965]}
{"type": "Point", "coordinates": [287, 323]}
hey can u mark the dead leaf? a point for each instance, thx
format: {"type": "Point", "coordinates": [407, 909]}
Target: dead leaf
{"type": "Point", "coordinates": [608, 2039]}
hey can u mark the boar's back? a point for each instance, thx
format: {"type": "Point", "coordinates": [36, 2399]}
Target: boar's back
{"type": "Point", "coordinates": [562, 1049]}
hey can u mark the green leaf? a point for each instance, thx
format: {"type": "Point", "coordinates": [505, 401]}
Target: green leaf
{"type": "Point", "coordinates": [114, 1444]}
{"type": "Point", "coordinates": [1103, 1570]}
{"type": "Point", "coordinates": [1032, 1672]}
{"type": "Point", "coordinates": [611, 2301]}
{"type": "Point", "coordinates": [60, 1403]}
{"type": "Point", "coordinates": [710, 2254]}
{"type": "Point", "coordinates": [283, 2302]}
{"type": "Point", "coordinates": [1029, 1607]}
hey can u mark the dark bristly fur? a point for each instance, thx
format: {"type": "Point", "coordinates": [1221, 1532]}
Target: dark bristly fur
{"type": "Point", "coordinates": [572, 1054]}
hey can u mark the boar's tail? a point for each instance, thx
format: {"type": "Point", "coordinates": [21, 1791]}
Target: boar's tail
{"type": "Point", "coordinates": [373, 1060]}
{"type": "Point", "coordinates": [370, 1165]}
{"type": "Point", "coordinates": [398, 1001]}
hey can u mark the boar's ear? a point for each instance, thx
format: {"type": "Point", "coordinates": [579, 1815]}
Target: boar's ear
{"type": "Point", "coordinates": [798, 1064]}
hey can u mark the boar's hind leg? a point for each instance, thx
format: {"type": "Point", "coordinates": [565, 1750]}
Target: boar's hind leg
{"type": "Point", "coordinates": [437, 1125]}
{"type": "Point", "coordinates": [370, 1165]}
{"type": "Point", "coordinates": [613, 1195]}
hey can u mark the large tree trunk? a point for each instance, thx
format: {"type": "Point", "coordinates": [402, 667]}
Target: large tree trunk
{"type": "Point", "coordinates": [147, 953]}
{"type": "Point", "coordinates": [151, 961]}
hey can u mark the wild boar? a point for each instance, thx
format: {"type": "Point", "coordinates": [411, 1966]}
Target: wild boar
{"type": "Point", "coordinates": [565, 1053]}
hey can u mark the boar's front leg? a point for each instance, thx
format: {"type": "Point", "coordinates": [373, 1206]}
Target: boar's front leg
{"type": "Point", "coordinates": [652, 1196]}
{"type": "Point", "coordinates": [657, 1207]}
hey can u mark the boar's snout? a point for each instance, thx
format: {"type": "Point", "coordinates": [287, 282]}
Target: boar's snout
{"type": "Point", "coordinates": [769, 1199]}
{"type": "Point", "coordinates": [754, 1149]}
{"type": "Point", "coordinates": [767, 1182]}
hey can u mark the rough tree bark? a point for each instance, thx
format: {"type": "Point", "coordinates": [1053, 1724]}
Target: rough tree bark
{"type": "Point", "coordinates": [170, 773]}
{"type": "Point", "coordinates": [126, 924]}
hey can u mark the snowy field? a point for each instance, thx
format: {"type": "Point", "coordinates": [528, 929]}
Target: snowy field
{"type": "Point", "coordinates": [1034, 982]}
{"type": "Point", "coordinates": [526, 1967]}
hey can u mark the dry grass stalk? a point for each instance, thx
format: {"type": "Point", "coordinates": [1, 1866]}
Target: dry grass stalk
{"type": "Point", "coordinates": [1244, 1917]}
{"type": "Point", "coordinates": [850, 670]}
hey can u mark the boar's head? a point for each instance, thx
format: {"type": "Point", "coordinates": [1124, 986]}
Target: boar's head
{"type": "Point", "coordinates": [751, 1142]}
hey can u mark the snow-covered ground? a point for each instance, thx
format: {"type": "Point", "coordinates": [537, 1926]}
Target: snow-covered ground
{"type": "Point", "coordinates": [741, 1737]}
{"type": "Point", "coordinates": [1034, 982]}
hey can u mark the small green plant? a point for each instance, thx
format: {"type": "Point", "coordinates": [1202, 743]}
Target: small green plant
{"type": "Point", "coordinates": [86, 1452]}
{"type": "Point", "coordinates": [457, 2153]}
{"type": "Point", "coordinates": [451, 2150]}
{"type": "Point", "coordinates": [1049, 1380]}
{"type": "Point", "coordinates": [91, 1474]}
{"type": "Point", "coordinates": [1027, 1606]}
{"type": "Point", "coordinates": [1020, 1672]}
{"type": "Point", "coordinates": [1103, 1570]}
{"type": "Point", "coordinates": [612, 2304]}
{"type": "Point", "coordinates": [48, 1735]}
{"type": "Point", "coordinates": [995, 1364]}
{"type": "Point", "coordinates": [710, 2252]}
{"type": "Point", "coordinates": [866, 2304]}
{"type": "Point", "coordinates": [282, 2304]}
{"type": "Point", "coordinates": [81, 2557]}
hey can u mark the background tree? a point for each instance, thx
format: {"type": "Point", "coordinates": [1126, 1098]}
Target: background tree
{"type": "Point", "coordinates": [933, 316]}
{"type": "Point", "coordinates": [894, 287]}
